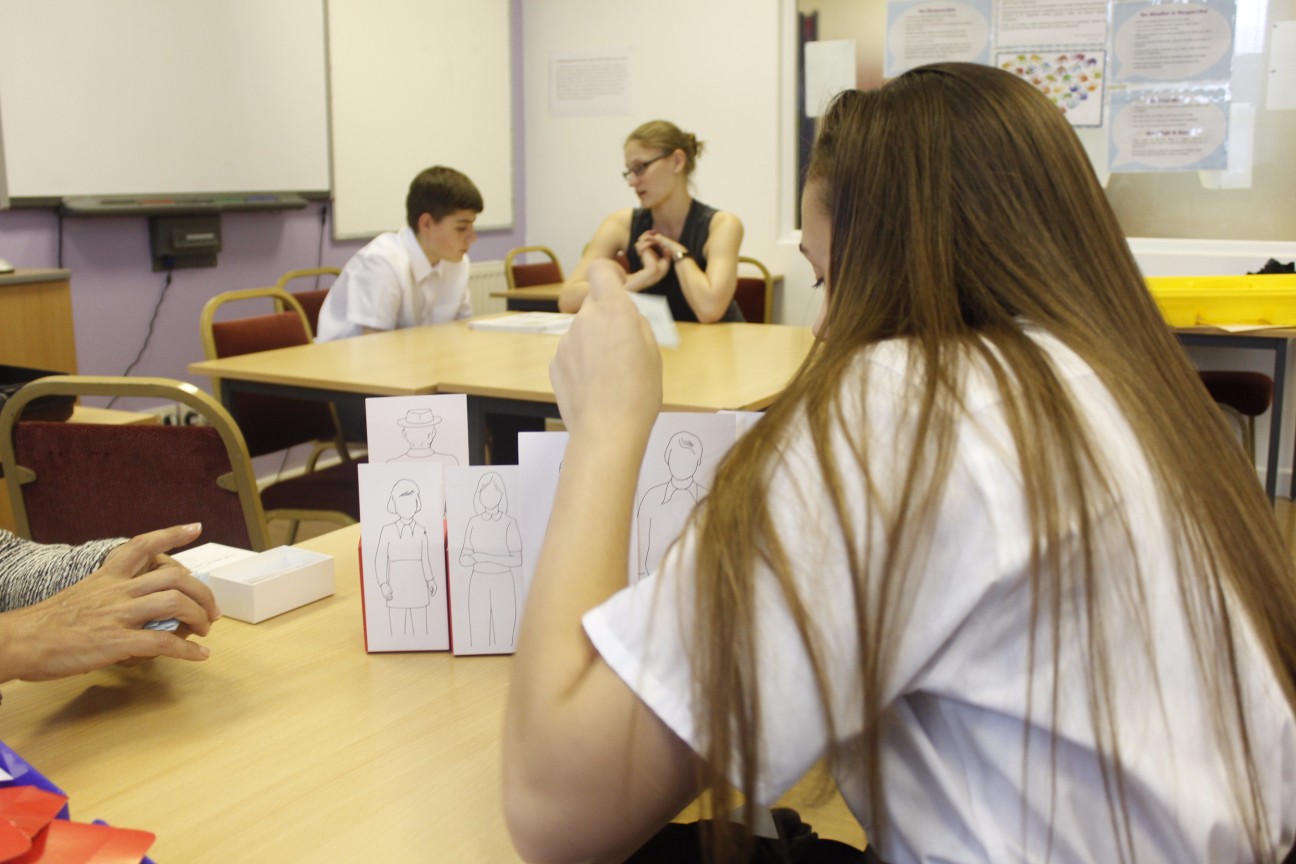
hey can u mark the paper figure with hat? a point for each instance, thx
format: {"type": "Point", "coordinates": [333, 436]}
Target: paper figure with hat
{"type": "Point", "coordinates": [418, 429]}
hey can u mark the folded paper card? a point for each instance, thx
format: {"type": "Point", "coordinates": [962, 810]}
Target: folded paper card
{"type": "Point", "coordinates": [64, 842]}
{"type": "Point", "coordinates": [30, 809]}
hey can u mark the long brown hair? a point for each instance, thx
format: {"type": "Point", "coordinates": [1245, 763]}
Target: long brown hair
{"type": "Point", "coordinates": [961, 205]}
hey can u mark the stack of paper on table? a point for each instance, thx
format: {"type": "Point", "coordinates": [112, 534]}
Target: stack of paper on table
{"type": "Point", "coordinates": [525, 322]}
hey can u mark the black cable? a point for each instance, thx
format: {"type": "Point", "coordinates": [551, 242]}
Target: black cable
{"type": "Point", "coordinates": [148, 336]}
{"type": "Point", "coordinates": [319, 255]}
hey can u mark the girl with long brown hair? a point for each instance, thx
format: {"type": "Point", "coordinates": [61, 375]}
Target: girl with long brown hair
{"type": "Point", "coordinates": [994, 555]}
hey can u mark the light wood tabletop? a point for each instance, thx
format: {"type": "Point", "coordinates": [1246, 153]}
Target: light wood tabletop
{"type": "Point", "coordinates": [717, 366]}
{"type": "Point", "coordinates": [292, 744]}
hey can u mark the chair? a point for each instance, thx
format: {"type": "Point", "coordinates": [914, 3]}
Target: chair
{"type": "Point", "coordinates": [1243, 395]}
{"type": "Point", "coordinates": [271, 424]}
{"type": "Point", "coordinates": [74, 482]}
{"type": "Point", "coordinates": [755, 294]}
{"type": "Point", "coordinates": [310, 301]}
{"type": "Point", "coordinates": [527, 275]}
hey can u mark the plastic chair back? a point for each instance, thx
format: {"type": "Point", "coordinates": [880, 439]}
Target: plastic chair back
{"type": "Point", "coordinates": [312, 300]}
{"type": "Point", "coordinates": [755, 293]}
{"type": "Point", "coordinates": [75, 482]}
{"type": "Point", "coordinates": [269, 423]}
{"type": "Point", "coordinates": [538, 273]}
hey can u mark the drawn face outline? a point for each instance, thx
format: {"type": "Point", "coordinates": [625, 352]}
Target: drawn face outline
{"type": "Point", "coordinates": [405, 499]}
{"type": "Point", "coordinates": [491, 494]}
{"type": "Point", "coordinates": [407, 506]}
{"type": "Point", "coordinates": [683, 455]}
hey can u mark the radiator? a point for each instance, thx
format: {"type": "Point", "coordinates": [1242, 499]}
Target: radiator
{"type": "Point", "coordinates": [483, 278]}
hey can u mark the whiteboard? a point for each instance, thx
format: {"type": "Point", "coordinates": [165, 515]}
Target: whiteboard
{"type": "Point", "coordinates": [102, 97]}
{"type": "Point", "coordinates": [415, 83]}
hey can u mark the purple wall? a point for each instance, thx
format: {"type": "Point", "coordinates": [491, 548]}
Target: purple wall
{"type": "Point", "coordinates": [114, 289]}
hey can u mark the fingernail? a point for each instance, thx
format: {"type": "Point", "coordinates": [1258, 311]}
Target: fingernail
{"type": "Point", "coordinates": [204, 650]}
{"type": "Point", "coordinates": [194, 526]}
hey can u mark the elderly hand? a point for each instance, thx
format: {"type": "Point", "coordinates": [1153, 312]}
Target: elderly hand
{"type": "Point", "coordinates": [99, 621]}
{"type": "Point", "coordinates": [607, 370]}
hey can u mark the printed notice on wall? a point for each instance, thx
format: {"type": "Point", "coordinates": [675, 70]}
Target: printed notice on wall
{"type": "Point", "coordinates": [928, 32]}
{"type": "Point", "coordinates": [1172, 42]}
{"type": "Point", "coordinates": [1023, 23]}
{"type": "Point", "coordinates": [1169, 131]}
{"type": "Point", "coordinates": [589, 83]}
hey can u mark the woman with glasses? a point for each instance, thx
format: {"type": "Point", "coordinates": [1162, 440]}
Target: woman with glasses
{"type": "Point", "coordinates": [994, 555]}
{"type": "Point", "coordinates": [675, 245]}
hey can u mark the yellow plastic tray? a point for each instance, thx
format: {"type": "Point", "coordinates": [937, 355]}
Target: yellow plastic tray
{"type": "Point", "coordinates": [1188, 301]}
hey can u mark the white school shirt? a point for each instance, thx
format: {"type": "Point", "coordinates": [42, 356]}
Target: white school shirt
{"type": "Point", "coordinates": [389, 284]}
{"type": "Point", "coordinates": [955, 721]}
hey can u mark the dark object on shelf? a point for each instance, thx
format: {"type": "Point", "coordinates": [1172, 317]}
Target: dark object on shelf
{"type": "Point", "coordinates": [12, 379]}
{"type": "Point", "coordinates": [1274, 266]}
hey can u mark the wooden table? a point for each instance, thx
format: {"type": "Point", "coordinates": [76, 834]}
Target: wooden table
{"type": "Point", "coordinates": [292, 744]}
{"type": "Point", "coordinates": [716, 367]}
{"type": "Point", "coordinates": [536, 298]}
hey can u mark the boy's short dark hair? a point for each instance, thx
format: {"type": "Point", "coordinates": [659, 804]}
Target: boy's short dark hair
{"type": "Point", "coordinates": [440, 191]}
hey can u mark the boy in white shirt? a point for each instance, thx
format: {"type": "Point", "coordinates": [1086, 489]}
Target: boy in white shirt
{"type": "Point", "coordinates": [416, 276]}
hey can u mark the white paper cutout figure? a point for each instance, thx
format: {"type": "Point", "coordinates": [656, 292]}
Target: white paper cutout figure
{"type": "Point", "coordinates": [418, 429]}
{"type": "Point", "coordinates": [486, 558]}
{"type": "Point", "coordinates": [664, 508]}
{"type": "Point", "coordinates": [403, 563]}
{"type": "Point", "coordinates": [402, 556]}
{"type": "Point", "coordinates": [492, 547]}
{"type": "Point", "coordinates": [679, 462]}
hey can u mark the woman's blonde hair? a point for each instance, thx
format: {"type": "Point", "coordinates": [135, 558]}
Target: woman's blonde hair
{"type": "Point", "coordinates": [961, 204]}
{"type": "Point", "coordinates": [667, 137]}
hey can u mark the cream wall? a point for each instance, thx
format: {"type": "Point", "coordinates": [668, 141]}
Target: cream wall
{"type": "Point", "coordinates": [715, 69]}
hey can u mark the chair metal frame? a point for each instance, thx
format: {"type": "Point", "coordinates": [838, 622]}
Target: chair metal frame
{"type": "Point", "coordinates": [239, 480]}
{"type": "Point", "coordinates": [769, 286]}
{"type": "Point", "coordinates": [283, 300]}
{"type": "Point", "coordinates": [522, 250]}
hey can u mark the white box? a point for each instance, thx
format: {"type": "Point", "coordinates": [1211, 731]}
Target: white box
{"type": "Point", "coordinates": [262, 586]}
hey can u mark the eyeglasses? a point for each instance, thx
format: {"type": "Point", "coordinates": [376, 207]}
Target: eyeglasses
{"type": "Point", "coordinates": [638, 168]}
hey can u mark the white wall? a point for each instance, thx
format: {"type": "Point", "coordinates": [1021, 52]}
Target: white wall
{"type": "Point", "coordinates": [714, 68]}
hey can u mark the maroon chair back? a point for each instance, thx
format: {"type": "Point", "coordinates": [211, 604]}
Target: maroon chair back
{"type": "Point", "coordinates": [96, 480]}
{"type": "Point", "coordinates": [540, 273]}
{"type": "Point", "coordinates": [311, 301]}
{"type": "Point", "coordinates": [750, 297]}
{"type": "Point", "coordinates": [272, 423]}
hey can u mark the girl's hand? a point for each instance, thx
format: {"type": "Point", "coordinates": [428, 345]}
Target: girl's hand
{"type": "Point", "coordinates": [607, 370]}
